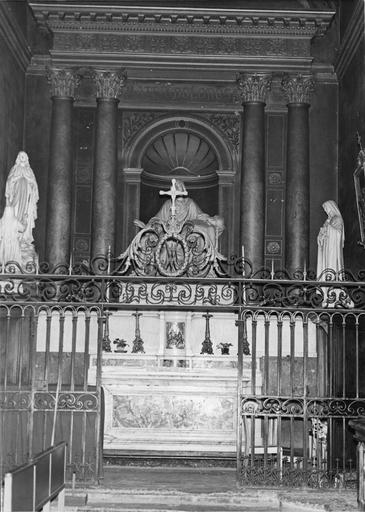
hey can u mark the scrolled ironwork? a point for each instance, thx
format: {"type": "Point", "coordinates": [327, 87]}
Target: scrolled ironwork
{"type": "Point", "coordinates": [77, 401]}
{"type": "Point", "coordinates": [80, 284]}
{"type": "Point", "coordinates": [15, 400]}
{"type": "Point", "coordinates": [299, 407]}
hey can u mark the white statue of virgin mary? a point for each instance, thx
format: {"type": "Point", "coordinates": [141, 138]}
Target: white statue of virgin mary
{"type": "Point", "coordinates": [20, 213]}
{"type": "Point", "coordinates": [21, 193]}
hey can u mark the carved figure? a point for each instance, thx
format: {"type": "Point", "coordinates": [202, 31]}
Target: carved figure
{"type": "Point", "coordinates": [21, 193]}
{"type": "Point", "coordinates": [18, 220]}
{"type": "Point", "coordinates": [330, 244]}
{"type": "Point", "coordinates": [185, 209]}
{"type": "Point", "coordinates": [180, 240]}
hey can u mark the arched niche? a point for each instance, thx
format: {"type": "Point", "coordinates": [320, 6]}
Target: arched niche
{"type": "Point", "coordinates": [176, 147]}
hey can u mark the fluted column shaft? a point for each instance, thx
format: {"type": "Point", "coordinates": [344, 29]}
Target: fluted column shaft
{"type": "Point", "coordinates": [63, 83]}
{"type": "Point", "coordinates": [253, 90]}
{"type": "Point", "coordinates": [298, 90]}
{"type": "Point", "coordinates": [108, 85]}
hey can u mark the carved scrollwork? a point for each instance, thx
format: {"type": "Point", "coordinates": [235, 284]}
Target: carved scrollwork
{"type": "Point", "coordinates": [133, 122]}
{"type": "Point", "coordinates": [229, 124]}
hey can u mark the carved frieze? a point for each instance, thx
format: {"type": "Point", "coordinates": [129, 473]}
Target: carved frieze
{"type": "Point", "coordinates": [298, 88]}
{"type": "Point", "coordinates": [180, 44]}
{"type": "Point", "coordinates": [162, 92]}
{"type": "Point", "coordinates": [109, 83]}
{"type": "Point", "coordinates": [253, 87]}
{"type": "Point", "coordinates": [63, 82]}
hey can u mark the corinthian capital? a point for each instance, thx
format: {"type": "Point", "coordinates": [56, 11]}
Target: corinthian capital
{"type": "Point", "coordinates": [253, 87]}
{"type": "Point", "coordinates": [63, 82]}
{"type": "Point", "coordinates": [109, 83]}
{"type": "Point", "coordinates": [298, 89]}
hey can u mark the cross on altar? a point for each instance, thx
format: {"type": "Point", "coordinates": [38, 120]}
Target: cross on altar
{"type": "Point", "coordinates": [173, 193]}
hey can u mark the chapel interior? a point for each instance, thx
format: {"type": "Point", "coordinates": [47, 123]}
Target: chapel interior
{"type": "Point", "coordinates": [257, 107]}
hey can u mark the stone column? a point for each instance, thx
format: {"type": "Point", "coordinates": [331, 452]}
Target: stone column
{"type": "Point", "coordinates": [297, 89]}
{"type": "Point", "coordinates": [108, 87]}
{"type": "Point", "coordinates": [63, 83]}
{"type": "Point", "coordinates": [253, 89]}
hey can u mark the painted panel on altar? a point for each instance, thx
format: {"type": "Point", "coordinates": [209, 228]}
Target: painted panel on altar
{"type": "Point", "coordinates": [173, 412]}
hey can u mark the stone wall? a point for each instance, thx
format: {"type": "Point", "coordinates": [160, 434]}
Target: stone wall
{"type": "Point", "coordinates": [351, 120]}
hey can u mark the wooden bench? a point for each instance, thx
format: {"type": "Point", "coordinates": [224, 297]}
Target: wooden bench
{"type": "Point", "coordinates": [34, 485]}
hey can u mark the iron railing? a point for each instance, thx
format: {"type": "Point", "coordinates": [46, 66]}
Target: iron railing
{"type": "Point", "coordinates": [299, 365]}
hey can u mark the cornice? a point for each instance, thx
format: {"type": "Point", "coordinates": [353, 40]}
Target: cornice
{"type": "Point", "coordinates": [287, 23]}
{"type": "Point", "coordinates": [352, 38]}
{"type": "Point", "coordinates": [14, 38]}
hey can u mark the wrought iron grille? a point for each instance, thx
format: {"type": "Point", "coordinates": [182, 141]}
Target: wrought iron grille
{"type": "Point", "coordinates": [299, 362]}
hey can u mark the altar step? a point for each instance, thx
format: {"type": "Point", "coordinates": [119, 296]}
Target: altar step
{"type": "Point", "coordinates": [94, 500]}
{"type": "Point", "coordinates": [245, 500]}
{"type": "Point", "coordinates": [182, 489]}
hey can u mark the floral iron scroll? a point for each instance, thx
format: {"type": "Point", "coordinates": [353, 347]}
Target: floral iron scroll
{"type": "Point", "coordinates": [359, 181]}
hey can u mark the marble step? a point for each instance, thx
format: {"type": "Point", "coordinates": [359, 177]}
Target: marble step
{"type": "Point", "coordinates": [164, 501]}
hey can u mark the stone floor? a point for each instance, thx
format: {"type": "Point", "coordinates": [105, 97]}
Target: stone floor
{"type": "Point", "coordinates": [165, 489]}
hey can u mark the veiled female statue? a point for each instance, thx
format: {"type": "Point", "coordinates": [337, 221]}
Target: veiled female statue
{"type": "Point", "coordinates": [330, 244]}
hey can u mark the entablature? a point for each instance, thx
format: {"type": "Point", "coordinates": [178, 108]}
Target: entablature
{"type": "Point", "coordinates": [180, 36]}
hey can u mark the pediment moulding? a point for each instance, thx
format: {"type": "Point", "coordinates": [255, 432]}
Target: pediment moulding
{"type": "Point", "coordinates": [60, 16]}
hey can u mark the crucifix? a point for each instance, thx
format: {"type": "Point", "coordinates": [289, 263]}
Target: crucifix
{"type": "Point", "coordinates": [173, 193]}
